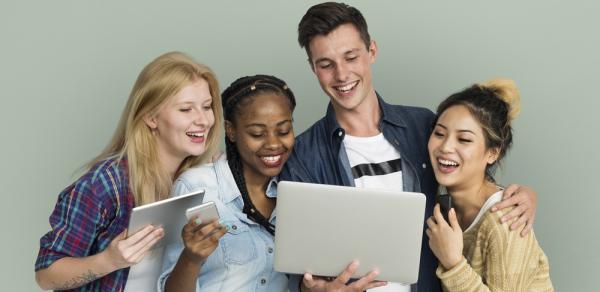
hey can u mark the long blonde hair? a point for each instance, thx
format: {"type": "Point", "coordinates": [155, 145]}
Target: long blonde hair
{"type": "Point", "coordinates": [164, 77]}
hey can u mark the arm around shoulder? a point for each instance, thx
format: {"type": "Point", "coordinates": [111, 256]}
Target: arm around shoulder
{"type": "Point", "coordinates": [524, 201]}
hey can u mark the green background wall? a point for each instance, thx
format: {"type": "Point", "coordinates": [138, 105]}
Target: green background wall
{"type": "Point", "coordinates": [66, 69]}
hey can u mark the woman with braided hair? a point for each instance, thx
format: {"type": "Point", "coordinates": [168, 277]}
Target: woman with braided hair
{"type": "Point", "coordinates": [476, 251]}
{"type": "Point", "coordinates": [259, 138]}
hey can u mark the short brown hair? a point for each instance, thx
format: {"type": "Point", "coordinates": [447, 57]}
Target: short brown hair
{"type": "Point", "coordinates": [323, 18]}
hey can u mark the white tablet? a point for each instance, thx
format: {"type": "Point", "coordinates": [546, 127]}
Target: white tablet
{"type": "Point", "coordinates": [169, 213]}
{"type": "Point", "coordinates": [321, 228]}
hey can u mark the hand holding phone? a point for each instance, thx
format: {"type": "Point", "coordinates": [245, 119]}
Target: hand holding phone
{"type": "Point", "coordinates": [445, 202]}
{"type": "Point", "coordinates": [204, 213]}
{"type": "Point", "coordinates": [200, 236]}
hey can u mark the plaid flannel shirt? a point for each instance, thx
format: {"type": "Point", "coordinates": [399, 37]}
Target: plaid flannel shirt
{"type": "Point", "coordinates": [87, 216]}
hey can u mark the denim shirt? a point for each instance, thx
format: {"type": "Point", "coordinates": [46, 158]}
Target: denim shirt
{"type": "Point", "coordinates": [319, 157]}
{"type": "Point", "coordinates": [243, 261]}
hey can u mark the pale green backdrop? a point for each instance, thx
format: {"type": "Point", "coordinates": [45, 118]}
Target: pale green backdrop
{"type": "Point", "coordinates": [66, 69]}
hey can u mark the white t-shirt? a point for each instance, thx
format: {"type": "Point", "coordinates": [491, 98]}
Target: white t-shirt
{"type": "Point", "coordinates": [493, 199]}
{"type": "Point", "coordinates": [375, 163]}
{"type": "Point", "coordinates": [143, 276]}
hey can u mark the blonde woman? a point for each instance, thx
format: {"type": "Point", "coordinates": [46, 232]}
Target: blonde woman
{"type": "Point", "coordinates": [476, 251]}
{"type": "Point", "coordinates": [167, 126]}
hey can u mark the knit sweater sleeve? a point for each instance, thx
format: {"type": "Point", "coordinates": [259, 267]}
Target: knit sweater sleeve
{"type": "Point", "coordinates": [507, 261]}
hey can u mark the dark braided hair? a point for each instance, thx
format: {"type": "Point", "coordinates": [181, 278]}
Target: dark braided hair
{"type": "Point", "coordinates": [234, 99]}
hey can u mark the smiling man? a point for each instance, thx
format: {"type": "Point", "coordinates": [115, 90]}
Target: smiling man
{"type": "Point", "coordinates": [363, 141]}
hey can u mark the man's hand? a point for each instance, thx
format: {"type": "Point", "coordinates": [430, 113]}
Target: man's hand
{"type": "Point", "coordinates": [525, 201]}
{"type": "Point", "coordinates": [322, 284]}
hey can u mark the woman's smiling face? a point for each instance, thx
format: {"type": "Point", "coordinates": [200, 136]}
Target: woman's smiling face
{"type": "Point", "coordinates": [182, 125]}
{"type": "Point", "coordinates": [263, 133]}
{"type": "Point", "coordinates": [457, 149]}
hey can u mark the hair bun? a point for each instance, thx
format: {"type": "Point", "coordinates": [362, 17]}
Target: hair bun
{"type": "Point", "coordinates": [507, 90]}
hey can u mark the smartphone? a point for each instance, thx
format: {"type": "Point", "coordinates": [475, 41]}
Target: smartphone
{"type": "Point", "coordinates": [206, 212]}
{"type": "Point", "coordinates": [445, 202]}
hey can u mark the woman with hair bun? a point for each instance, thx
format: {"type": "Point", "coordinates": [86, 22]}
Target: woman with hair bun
{"type": "Point", "coordinates": [471, 135]}
{"type": "Point", "coordinates": [259, 138]}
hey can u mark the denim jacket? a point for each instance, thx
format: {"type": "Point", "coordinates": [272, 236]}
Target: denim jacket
{"type": "Point", "coordinates": [319, 157]}
{"type": "Point", "coordinates": [243, 261]}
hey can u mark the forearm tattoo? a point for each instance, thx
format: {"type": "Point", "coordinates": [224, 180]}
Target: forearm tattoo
{"type": "Point", "coordinates": [78, 281]}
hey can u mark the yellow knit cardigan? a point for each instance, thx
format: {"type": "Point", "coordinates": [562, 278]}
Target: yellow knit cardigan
{"type": "Point", "coordinates": [497, 259]}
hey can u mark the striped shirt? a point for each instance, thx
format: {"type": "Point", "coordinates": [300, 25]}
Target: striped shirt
{"type": "Point", "coordinates": [374, 162]}
{"type": "Point", "coordinates": [87, 216]}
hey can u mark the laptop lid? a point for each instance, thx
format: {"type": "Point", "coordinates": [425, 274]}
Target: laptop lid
{"type": "Point", "coordinates": [321, 228]}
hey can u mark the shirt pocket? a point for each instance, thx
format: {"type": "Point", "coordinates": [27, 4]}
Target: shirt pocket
{"type": "Point", "coordinates": [238, 245]}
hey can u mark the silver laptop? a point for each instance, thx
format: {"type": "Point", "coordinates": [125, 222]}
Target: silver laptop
{"type": "Point", "coordinates": [321, 228]}
{"type": "Point", "coordinates": [169, 213]}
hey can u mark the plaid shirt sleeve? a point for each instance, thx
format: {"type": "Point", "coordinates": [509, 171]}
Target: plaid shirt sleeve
{"type": "Point", "coordinates": [74, 221]}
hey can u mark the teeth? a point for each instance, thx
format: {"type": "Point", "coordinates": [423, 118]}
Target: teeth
{"type": "Point", "coordinates": [271, 158]}
{"type": "Point", "coordinates": [447, 162]}
{"type": "Point", "coordinates": [347, 88]}
{"type": "Point", "coordinates": [199, 135]}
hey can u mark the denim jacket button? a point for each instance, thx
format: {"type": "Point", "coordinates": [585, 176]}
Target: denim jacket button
{"type": "Point", "coordinates": [263, 281]}
{"type": "Point", "coordinates": [270, 250]}
{"type": "Point", "coordinates": [234, 227]}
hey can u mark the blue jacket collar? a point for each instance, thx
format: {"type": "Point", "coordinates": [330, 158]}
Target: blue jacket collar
{"type": "Point", "coordinates": [333, 128]}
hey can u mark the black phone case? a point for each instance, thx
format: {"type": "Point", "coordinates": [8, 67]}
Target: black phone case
{"type": "Point", "coordinates": [445, 202]}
